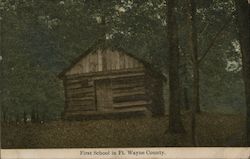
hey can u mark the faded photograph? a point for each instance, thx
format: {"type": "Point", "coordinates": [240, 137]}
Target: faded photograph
{"type": "Point", "coordinates": [124, 73]}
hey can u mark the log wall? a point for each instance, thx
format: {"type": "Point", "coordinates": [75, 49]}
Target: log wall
{"type": "Point", "coordinates": [131, 88]}
{"type": "Point", "coordinates": [128, 93]}
{"type": "Point", "coordinates": [79, 94]}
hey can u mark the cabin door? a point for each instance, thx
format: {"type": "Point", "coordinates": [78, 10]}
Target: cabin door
{"type": "Point", "coordinates": [104, 97]}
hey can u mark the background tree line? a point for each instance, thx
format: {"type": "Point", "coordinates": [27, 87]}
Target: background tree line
{"type": "Point", "coordinates": [40, 38]}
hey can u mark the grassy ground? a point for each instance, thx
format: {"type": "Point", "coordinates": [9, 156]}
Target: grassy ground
{"type": "Point", "coordinates": [212, 130]}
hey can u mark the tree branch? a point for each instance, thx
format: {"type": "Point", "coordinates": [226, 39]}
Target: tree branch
{"type": "Point", "coordinates": [214, 39]}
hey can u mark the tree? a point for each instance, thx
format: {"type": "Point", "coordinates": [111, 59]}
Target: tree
{"type": "Point", "coordinates": [24, 117]}
{"type": "Point", "coordinates": [200, 40]}
{"type": "Point", "coordinates": [47, 35]}
{"type": "Point", "coordinates": [243, 17]}
{"type": "Point", "coordinates": [197, 24]}
{"type": "Point", "coordinates": [194, 47]}
{"type": "Point", "coordinates": [175, 123]}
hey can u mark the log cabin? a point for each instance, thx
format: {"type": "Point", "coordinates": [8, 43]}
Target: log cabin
{"type": "Point", "coordinates": [107, 81]}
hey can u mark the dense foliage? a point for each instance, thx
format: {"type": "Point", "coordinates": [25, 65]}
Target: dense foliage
{"type": "Point", "coordinates": [40, 38]}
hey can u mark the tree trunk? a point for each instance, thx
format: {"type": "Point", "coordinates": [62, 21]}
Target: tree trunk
{"type": "Point", "coordinates": [175, 123]}
{"type": "Point", "coordinates": [186, 100]}
{"type": "Point", "coordinates": [4, 117]}
{"type": "Point", "coordinates": [37, 117]}
{"type": "Point", "coordinates": [17, 118]}
{"type": "Point", "coordinates": [195, 102]}
{"type": "Point", "coordinates": [4, 113]}
{"type": "Point", "coordinates": [24, 117]}
{"type": "Point", "coordinates": [33, 116]}
{"type": "Point", "coordinates": [194, 47]}
{"type": "Point", "coordinates": [185, 89]}
{"type": "Point", "coordinates": [243, 11]}
{"type": "Point", "coordinates": [43, 117]}
{"type": "Point", "coordinates": [193, 42]}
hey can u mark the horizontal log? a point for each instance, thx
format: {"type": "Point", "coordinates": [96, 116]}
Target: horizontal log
{"type": "Point", "coordinates": [76, 77]}
{"type": "Point", "coordinates": [129, 93]}
{"type": "Point", "coordinates": [130, 98]}
{"type": "Point", "coordinates": [77, 80]}
{"type": "Point", "coordinates": [111, 73]}
{"type": "Point", "coordinates": [80, 98]}
{"type": "Point", "coordinates": [79, 84]}
{"type": "Point", "coordinates": [127, 85]}
{"type": "Point", "coordinates": [79, 95]}
{"type": "Point", "coordinates": [74, 86]}
{"type": "Point", "coordinates": [128, 82]}
{"type": "Point", "coordinates": [115, 76]}
{"type": "Point", "coordinates": [130, 78]}
{"type": "Point", "coordinates": [83, 102]}
{"type": "Point", "coordinates": [71, 106]}
{"type": "Point", "coordinates": [80, 90]}
{"type": "Point", "coordinates": [86, 104]}
{"type": "Point", "coordinates": [81, 108]}
{"type": "Point", "coordinates": [126, 89]}
{"type": "Point", "coordinates": [129, 90]}
{"type": "Point", "coordinates": [130, 107]}
{"type": "Point", "coordinates": [131, 104]}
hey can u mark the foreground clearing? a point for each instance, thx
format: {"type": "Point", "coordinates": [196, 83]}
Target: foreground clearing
{"type": "Point", "coordinates": [212, 130]}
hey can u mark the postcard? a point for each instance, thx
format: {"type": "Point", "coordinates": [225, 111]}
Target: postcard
{"type": "Point", "coordinates": [124, 79]}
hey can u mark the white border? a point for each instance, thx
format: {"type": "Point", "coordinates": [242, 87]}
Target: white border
{"type": "Point", "coordinates": [169, 153]}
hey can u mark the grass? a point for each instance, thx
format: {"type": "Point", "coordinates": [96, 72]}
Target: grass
{"type": "Point", "coordinates": [212, 130]}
